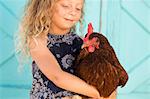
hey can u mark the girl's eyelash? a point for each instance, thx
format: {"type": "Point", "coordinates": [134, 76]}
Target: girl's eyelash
{"type": "Point", "coordinates": [65, 5]}
{"type": "Point", "coordinates": [78, 8]}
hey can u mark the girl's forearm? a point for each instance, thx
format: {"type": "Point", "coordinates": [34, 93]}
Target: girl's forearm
{"type": "Point", "coordinates": [72, 83]}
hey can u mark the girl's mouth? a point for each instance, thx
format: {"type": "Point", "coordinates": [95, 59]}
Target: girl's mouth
{"type": "Point", "coordinates": [69, 20]}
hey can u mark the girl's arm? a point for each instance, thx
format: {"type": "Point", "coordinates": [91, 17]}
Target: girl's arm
{"type": "Point", "coordinates": [49, 66]}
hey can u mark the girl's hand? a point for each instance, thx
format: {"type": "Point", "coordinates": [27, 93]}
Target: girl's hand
{"type": "Point", "coordinates": [97, 94]}
{"type": "Point", "coordinates": [72, 97]}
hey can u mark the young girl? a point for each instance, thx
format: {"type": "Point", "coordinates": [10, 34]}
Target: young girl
{"type": "Point", "coordinates": [48, 37]}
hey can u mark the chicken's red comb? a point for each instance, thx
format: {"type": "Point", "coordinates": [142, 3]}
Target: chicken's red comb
{"type": "Point", "coordinates": [90, 31]}
{"type": "Point", "coordinates": [90, 28]}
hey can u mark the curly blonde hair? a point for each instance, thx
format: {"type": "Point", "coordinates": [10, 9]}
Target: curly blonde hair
{"type": "Point", "coordinates": [36, 20]}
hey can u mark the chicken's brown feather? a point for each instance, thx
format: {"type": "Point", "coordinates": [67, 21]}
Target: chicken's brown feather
{"type": "Point", "coordinates": [101, 68]}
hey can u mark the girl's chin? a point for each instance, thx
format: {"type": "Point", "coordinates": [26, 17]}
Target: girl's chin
{"type": "Point", "coordinates": [69, 23]}
{"type": "Point", "coordinates": [67, 26]}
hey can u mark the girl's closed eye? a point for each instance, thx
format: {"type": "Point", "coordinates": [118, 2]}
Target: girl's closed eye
{"type": "Point", "coordinates": [65, 6]}
{"type": "Point", "coordinates": [79, 9]}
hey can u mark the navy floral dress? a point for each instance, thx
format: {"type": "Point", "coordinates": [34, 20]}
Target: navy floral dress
{"type": "Point", "coordinates": [65, 48]}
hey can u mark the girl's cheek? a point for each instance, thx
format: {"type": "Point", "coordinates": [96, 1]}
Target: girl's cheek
{"type": "Point", "coordinates": [78, 17]}
{"type": "Point", "coordinates": [61, 11]}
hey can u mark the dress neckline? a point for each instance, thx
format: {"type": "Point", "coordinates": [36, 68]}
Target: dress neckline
{"type": "Point", "coordinates": [59, 35]}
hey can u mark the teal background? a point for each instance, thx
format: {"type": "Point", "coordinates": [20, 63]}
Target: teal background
{"type": "Point", "coordinates": [124, 22]}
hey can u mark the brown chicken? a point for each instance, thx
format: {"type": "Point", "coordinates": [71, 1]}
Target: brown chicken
{"type": "Point", "coordinates": [101, 68]}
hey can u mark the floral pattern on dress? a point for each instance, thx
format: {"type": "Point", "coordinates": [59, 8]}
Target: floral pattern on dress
{"type": "Point", "coordinates": [68, 38]}
{"type": "Point", "coordinates": [40, 91]}
{"type": "Point", "coordinates": [42, 87]}
{"type": "Point", "coordinates": [67, 61]}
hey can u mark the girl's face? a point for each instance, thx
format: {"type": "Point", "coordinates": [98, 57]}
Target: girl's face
{"type": "Point", "coordinates": [67, 13]}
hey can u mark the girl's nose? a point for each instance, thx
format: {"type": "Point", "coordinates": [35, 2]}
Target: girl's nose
{"type": "Point", "coordinates": [72, 12]}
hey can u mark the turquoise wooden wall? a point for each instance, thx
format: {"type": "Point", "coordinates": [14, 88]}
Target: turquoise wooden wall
{"type": "Point", "coordinates": [124, 22]}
